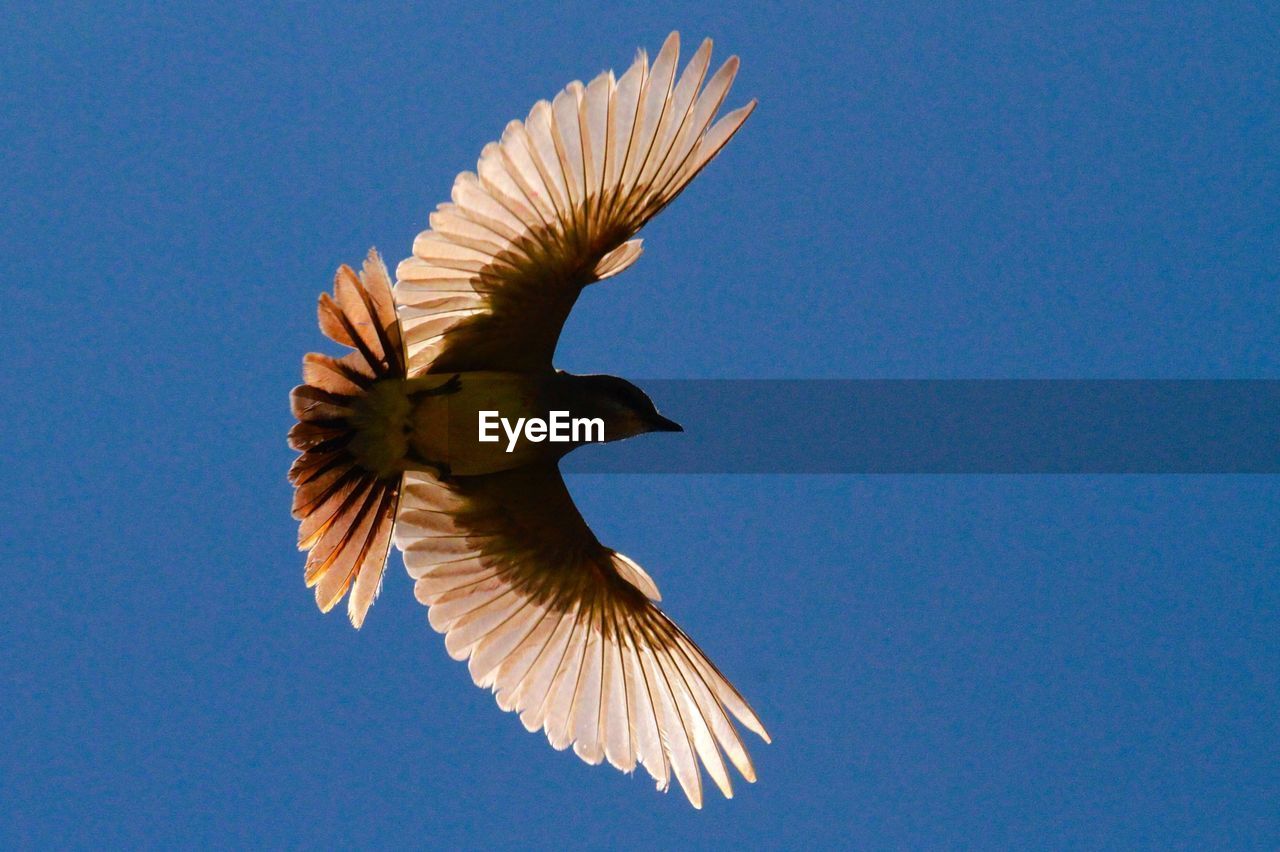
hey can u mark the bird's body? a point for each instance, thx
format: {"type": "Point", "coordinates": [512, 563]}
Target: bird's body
{"type": "Point", "coordinates": [432, 423]}
{"type": "Point", "coordinates": [563, 629]}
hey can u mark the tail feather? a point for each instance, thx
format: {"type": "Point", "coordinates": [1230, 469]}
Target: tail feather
{"type": "Point", "coordinates": [345, 511]}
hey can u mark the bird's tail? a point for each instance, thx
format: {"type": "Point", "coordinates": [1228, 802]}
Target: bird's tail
{"type": "Point", "coordinates": [346, 509]}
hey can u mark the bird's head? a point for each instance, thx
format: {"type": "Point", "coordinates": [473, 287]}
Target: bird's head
{"type": "Point", "coordinates": [625, 409]}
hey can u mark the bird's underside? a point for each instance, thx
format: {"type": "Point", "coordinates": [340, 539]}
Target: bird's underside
{"type": "Point", "coordinates": [563, 629]}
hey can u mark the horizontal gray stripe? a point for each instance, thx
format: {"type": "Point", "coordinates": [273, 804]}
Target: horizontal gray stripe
{"type": "Point", "coordinates": [952, 426]}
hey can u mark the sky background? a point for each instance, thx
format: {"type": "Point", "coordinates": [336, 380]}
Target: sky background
{"type": "Point", "coordinates": [926, 191]}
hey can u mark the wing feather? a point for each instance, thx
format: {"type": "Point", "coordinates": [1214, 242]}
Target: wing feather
{"type": "Point", "coordinates": [495, 647]}
{"type": "Point", "coordinates": [531, 696]}
{"type": "Point", "coordinates": [648, 731]}
{"type": "Point", "coordinates": [656, 114]}
{"type": "Point", "coordinates": [552, 207]}
{"type": "Point", "coordinates": [562, 629]}
{"type": "Point", "coordinates": [695, 718]}
{"type": "Point", "coordinates": [584, 714]}
{"type": "Point", "coordinates": [616, 710]}
{"type": "Point", "coordinates": [510, 676]}
{"type": "Point", "coordinates": [675, 736]}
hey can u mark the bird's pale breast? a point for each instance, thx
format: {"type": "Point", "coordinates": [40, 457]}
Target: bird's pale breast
{"type": "Point", "coordinates": [444, 427]}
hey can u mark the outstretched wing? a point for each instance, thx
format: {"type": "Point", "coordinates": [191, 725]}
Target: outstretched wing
{"type": "Point", "coordinates": [552, 207]}
{"type": "Point", "coordinates": [563, 630]}
{"type": "Point", "coordinates": [345, 510]}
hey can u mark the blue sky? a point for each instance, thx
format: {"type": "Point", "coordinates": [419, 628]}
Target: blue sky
{"type": "Point", "coordinates": [926, 191]}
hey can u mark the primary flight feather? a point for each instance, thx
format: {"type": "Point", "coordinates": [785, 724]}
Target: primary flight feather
{"type": "Point", "coordinates": [563, 629]}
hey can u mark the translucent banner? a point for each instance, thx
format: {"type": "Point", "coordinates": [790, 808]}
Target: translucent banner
{"type": "Point", "coordinates": [950, 426]}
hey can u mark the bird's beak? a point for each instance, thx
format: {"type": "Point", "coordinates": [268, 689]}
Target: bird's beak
{"type": "Point", "coordinates": [663, 424]}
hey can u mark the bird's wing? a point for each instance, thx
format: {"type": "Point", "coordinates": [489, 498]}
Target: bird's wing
{"type": "Point", "coordinates": [345, 511]}
{"type": "Point", "coordinates": [563, 630]}
{"type": "Point", "coordinates": [552, 207]}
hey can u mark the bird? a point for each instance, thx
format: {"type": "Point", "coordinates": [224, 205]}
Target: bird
{"type": "Point", "coordinates": [565, 631]}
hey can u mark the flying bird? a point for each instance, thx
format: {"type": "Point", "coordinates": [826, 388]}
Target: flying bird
{"type": "Point", "coordinates": [564, 630]}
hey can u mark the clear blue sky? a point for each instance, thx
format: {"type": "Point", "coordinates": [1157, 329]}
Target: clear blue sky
{"type": "Point", "coordinates": [931, 191]}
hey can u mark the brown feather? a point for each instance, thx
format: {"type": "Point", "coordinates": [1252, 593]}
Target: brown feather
{"type": "Point", "coordinates": [345, 512]}
{"type": "Point", "coordinates": [331, 375]}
